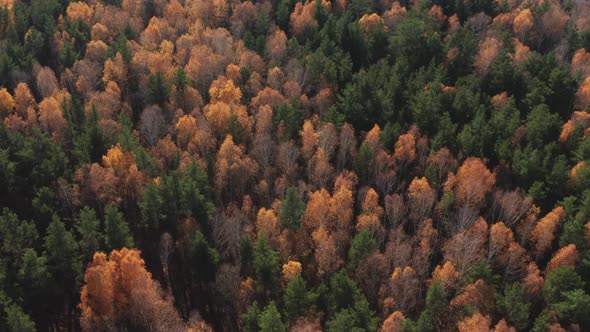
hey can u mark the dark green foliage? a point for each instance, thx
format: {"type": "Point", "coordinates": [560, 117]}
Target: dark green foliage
{"type": "Point", "coordinates": [181, 80]}
{"type": "Point", "coordinates": [560, 281]}
{"type": "Point", "coordinates": [17, 235]}
{"type": "Point", "coordinates": [119, 45]}
{"type": "Point", "coordinates": [204, 259]}
{"type": "Point", "coordinates": [363, 163]}
{"type": "Point", "coordinates": [90, 145]}
{"type": "Point", "coordinates": [63, 262]}
{"type": "Point", "coordinates": [158, 89]}
{"type": "Point", "coordinates": [343, 291]}
{"type": "Point", "coordinates": [250, 318]}
{"type": "Point", "coordinates": [266, 265]}
{"type": "Point", "coordinates": [255, 39]}
{"type": "Point", "coordinates": [236, 129]}
{"type": "Point", "coordinates": [372, 96]}
{"type": "Point", "coordinates": [542, 126]}
{"type": "Point", "coordinates": [358, 317]}
{"type": "Point", "coordinates": [246, 255]}
{"type": "Point", "coordinates": [117, 233]}
{"type": "Point", "coordinates": [361, 246]}
{"type": "Point", "coordinates": [17, 320]}
{"type": "Point", "coordinates": [542, 321]}
{"type": "Point", "coordinates": [574, 307]}
{"type": "Point", "coordinates": [270, 319]}
{"type": "Point", "coordinates": [298, 298]}
{"type": "Point", "coordinates": [292, 210]}
{"type": "Point", "coordinates": [482, 270]}
{"type": "Point", "coordinates": [292, 118]}
{"type": "Point", "coordinates": [514, 306]}
{"type": "Point", "coordinates": [414, 42]}
{"type": "Point", "coordinates": [88, 228]}
{"type": "Point", "coordinates": [151, 206]}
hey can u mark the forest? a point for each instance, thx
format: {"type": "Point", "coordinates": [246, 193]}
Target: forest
{"type": "Point", "coordinates": [295, 165]}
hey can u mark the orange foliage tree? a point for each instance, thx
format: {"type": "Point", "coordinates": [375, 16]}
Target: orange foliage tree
{"type": "Point", "coordinates": [475, 323]}
{"type": "Point", "coordinates": [565, 256]}
{"type": "Point", "coordinates": [119, 291]}
{"type": "Point", "coordinates": [544, 232]}
{"type": "Point", "coordinates": [471, 184]}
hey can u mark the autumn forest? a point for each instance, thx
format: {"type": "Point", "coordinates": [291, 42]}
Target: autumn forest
{"type": "Point", "coordinates": [295, 165]}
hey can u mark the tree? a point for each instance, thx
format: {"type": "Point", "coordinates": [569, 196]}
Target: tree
{"type": "Point", "coordinates": [51, 118]}
{"type": "Point", "coordinates": [326, 252]}
{"type": "Point", "coordinates": [290, 271]}
{"type": "Point", "coordinates": [574, 307]}
{"type": "Point", "coordinates": [370, 218]}
{"type": "Point", "coordinates": [7, 104]}
{"type": "Point", "coordinates": [152, 206]}
{"type": "Point", "coordinates": [302, 19]}
{"type": "Point", "coordinates": [63, 261]}
{"type": "Point", "coordinates": [235, 170]}
{"type": "Point", "coordinates": [88, 227]}
{"type": "Point", "coordinates": [250, 318]}
{"type": "Point", "coordinates": [447, 275]}
{"type": "Point", "coordinates": [46, 82]}
{"type": "Point", "coordinates": [523, 22]}
{"type": "Point", "coordinates": [298, 299]}
{"type": "Point", "coordinates": [479, 295]}
{"type": "Point", "coordinates": [488, 51]}
{"type": "Point", "coordinates": [363, 164]}
{"type": "Point", "coordinates": [204, 260]}
{"type": "Point", "coordinates": [267, 226]}
{"type": "Point", "coordinates": [266, 265]}
{"type": "Point", "coordinates": [514, 306]}
{"type": "Point", "coordinates": [542, 126]}
{"type": "Point", "coordinates": [153, 125]}
{"type": "Point", "coordinates": [158, 89]}
{"type": "Point", "coordinates": [394, 323]}
{"type": "Point", "coordinates": [401, 291]}
{"type": "Point", "coordinates": [533, 281]}
{"type": "Point", "coordinates": [544, 232]}
{"type": "Point", "coordinates": [270, 319]}
{"type": "Point", "coordinates": [560, 281]}
{"type": "Point", "coordinates": [17, 319]}
{"type": "Point", "coordinates": [117, 233]}
{"type": "Point", "coordinates": [475, 323]}
{"type": "Point", "coordinates": [357, 318]}
{"type": "Point", "coordinates": [421, 198]}
{"type": "Point", "coordinates": [320, 171]}
{"type": "Point", "coordinates": [17, 235]}
{"type": "Point", "coordinates": [292, 210]}
{"type": "Point", "coordinates": [405, 149]}
{"type": "Point", "coordinates": [471, 184]}
{"type": "Point", "coordinates": [120, 292]}
{"type": "Point", "coordinates": [567, 255]}
{"type": "Point", "coordinates": [361, 246]}
{"type": "Point", "coordinates": [466, 249]}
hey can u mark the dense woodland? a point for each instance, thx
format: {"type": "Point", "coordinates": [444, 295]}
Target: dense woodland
{"type": "Point", "coordinates": [294, 165]}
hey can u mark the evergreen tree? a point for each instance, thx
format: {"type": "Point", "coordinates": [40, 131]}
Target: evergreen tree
{"type": "Point", "coordinates": [266, 265]}
{"type": "Point", "coordinates": [292, 210]}
{"type": "Point", "coordinates": [361, 246]}
{"type": "Point", "coordinates": [117, 233]}
{"type": "Point", "coordinates": [514, 306]}
{"type": "Point", "coordinates": [270, 319]}
{"type": "Point", "coordinates": [88, 228]}
{"type": "Point", "coordinates": [158, 89]}
{"type": "Point", "coordinates": [297, 298]}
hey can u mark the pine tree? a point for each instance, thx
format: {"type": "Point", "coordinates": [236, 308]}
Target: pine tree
{"type": "Point", "coordinates": [117, 233]}
{"type": "Point", "coordinates": [292, 210]}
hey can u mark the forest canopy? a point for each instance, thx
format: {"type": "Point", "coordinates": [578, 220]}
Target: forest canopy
{"type": "Point", "coordinates": [294, 165]}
